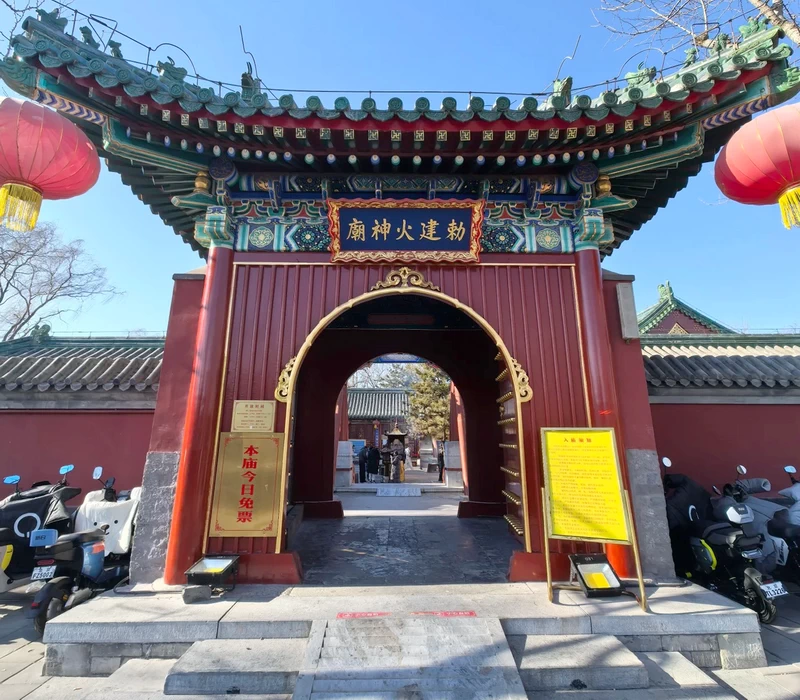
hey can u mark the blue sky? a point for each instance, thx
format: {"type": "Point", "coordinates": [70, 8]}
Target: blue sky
{"type": "Point", "coordinates": [735, 263]}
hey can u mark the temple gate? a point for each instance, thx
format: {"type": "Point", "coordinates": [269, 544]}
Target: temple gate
{"type": "Point", "coordinates": [489, 220]}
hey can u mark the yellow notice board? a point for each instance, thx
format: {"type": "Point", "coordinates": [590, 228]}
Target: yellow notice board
{"type": "Point", "coordinates": [583, 487]}
{"type": "Point", "coordinates": [247, 497]}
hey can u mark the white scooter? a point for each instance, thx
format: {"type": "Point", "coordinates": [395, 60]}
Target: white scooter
{"type": "Point", "coordinates": [96, 557]}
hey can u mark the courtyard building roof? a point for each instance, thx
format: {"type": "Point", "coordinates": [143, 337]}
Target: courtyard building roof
{"type": "Point", "coordinates": [377, 404]}
{"type": "Point", "coordinates": [40, 363]}
{"type": "Point", "coordinates": [673, 316]}
{"type": "Point", "coordinates": [723, 360]}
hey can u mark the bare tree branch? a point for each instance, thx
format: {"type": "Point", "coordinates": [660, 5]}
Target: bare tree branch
{"type": "Point", "coordinates": [42, 277]}
{"type": "Point", "coordinates": [671, 25]}
{"type": "Point", "coordinates": [776, 14]}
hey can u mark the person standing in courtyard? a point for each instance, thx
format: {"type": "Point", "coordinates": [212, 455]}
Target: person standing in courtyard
{"type": "Point", "coordinates": [373, 462]}
{"type": "Point", "coordinates": [362, 462]}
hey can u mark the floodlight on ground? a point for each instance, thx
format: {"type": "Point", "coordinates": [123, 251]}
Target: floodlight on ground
{"type": "Point", "coordinates": [595, 575]}
{"type": "Point", "coordinates": [215, 571]}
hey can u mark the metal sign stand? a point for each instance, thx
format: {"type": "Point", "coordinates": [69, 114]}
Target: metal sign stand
{"type": "Point", "coordinates": [572, 587]}
{"type": "Point", "coordinates": [548, 535]}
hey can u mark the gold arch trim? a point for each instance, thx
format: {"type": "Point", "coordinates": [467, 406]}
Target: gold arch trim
{"type": "Point", "coordinates": [399, 282]}
{"type": "Point", "coordinates": [405, 277]}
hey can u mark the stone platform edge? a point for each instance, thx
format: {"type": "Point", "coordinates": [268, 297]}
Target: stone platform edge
{"type": "Point", "coordinates": [727, 651]}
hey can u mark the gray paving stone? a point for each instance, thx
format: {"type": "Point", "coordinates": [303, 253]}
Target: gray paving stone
{"type": "Point", "coordinates": [122, 650]}
{"type": "Point", "coordinates": [104, 665]}
{"type": "Point", "coordinates": [640, 694]}
{"type": "Point", "coordinates": [741, 651]}
{"type": "Point", "coordinates": [689, 642]}
{"type": "Point", "coordinates": [704, 659]}
{"type": "Point", "coordinates": [7, 670]}
{"type": "Point", "coordinates": [237, 666]}
{"type": "Point", "coordinates": [789, 681]}
{"type": "Point", "coordinates": [641, 642]}
{"type": "Point", "coordinates": [17, 691]}
{"type": "Point", "coordinates": [139, 674]}
{"type": "Point", "coordinates": [32, 674]}
{"type": "Point", "coordinates": [754, 686]}
{"type": "Point", "coordinates": [67, 660]}
{"type": "Point", "coordinates": [671, 669]}
{"type": "Point", "coordinates": [134, 619]}
{"type": "Point", "coordinates": [173, 650]}
{"type": "Point", "coordinates": [597, 662]}
{"type": "Point", "coordinates": [64, 689]}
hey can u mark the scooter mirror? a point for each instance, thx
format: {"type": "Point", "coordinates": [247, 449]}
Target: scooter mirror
{"type": "Point", "coordinates": [11, 480]}
{"type": "Point", "coordinates": [741, 470]}
{"type": "Point", "coordinates": [790, 470]}
{"type": "Point", "coordinates": [97, 473]}
{"type": "Point", "coordinates": [716, 491]}
{"type": "Point", "coordinates": [66, 469]}
{"type": "Point", "coordinates": [667, 462]}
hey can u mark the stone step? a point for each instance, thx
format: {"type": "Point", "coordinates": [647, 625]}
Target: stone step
{"type": "Point", "coordinates": [405, 655]}
{"type": "Point", "coordinates": [399, 665]}
{"type": "Point", "coordinates": [462, 682]}
{"type": "Point", "coordinates": [467, 640]}
{"type": "Point", "coordinates": [578, 661]}
{"type": "Point", "coordinates": [447, 646]}
{"type": "Point", "coordinates": [237, 666]}
{"type": "Point", "coordinates": [417, 695]}
{"type": "Point", "coordinates": [427, 623]}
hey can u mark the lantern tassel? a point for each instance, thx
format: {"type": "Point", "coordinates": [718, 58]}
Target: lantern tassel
{"type": "Point", "coordinates": [790, 207]}
{"type": "Point", "coordinates": [19, 206]}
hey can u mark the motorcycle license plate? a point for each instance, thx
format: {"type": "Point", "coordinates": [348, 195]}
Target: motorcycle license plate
{"type": "Point", "coordinates": [43, 573]}
{"type": "Point", "coordinates": [773, 590]}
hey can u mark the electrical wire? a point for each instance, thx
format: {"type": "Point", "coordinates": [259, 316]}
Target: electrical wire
{"type": "Point", "coordinates": [236, 86]}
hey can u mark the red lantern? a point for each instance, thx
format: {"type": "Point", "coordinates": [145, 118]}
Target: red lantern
{"type": "Point", "coordinates": [761, 163]}
{"type": "Point", "coordinates": [42, 156]}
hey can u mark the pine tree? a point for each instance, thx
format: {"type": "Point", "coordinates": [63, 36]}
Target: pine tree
{"type": "Point", "coordinates": [429, 402]}
{"type": "Point", "coordinates": [400, 375]}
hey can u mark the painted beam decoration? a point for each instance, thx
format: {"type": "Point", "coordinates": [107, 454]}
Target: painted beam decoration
{"type": "Point", "coordinates": [441, 231]}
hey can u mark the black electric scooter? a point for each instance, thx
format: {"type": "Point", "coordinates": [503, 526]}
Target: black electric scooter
{"type": "Point", "coordinates": [23, 512]}
{"type": "Point", "coordinates": [717, 555]}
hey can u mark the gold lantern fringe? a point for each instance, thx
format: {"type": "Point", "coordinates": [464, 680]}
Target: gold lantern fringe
{"type": "Point", "coordinates": [19, 206]}
{"type": "Point", "coordinates": [790, 207]}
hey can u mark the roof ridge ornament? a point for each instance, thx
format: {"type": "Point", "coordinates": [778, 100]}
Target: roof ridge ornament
{"type": "Point", "coordinates": [665, 291]}
{"type": "Point", "coordinates": [405, 277]}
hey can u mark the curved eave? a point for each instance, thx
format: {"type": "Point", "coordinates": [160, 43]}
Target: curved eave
{"type": "Point", "coordinates": [154, 187]}
{"type": "Point", "coordinates": [653, 189]}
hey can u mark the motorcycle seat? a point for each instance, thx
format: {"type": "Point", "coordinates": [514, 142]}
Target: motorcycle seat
{"type": "Point", "coordinates": [784, 530]}
{"type": "Point", "coordinates": [82, 537]}
{"type": "Point", "coordinates": [706, 528]}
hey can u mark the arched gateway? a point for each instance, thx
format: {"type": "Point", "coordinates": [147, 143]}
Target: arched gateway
{"type": "Point", "coordinates": [407, 314]}
{"type": "Point", "coordinates": [308, 215]}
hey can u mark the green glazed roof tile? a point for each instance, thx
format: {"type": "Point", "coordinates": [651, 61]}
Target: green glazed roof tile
{"type": "Point", "coordinates": [53, 48]}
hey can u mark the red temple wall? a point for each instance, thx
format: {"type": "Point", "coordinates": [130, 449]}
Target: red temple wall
{"type": "Point", "coordinates": [633, 400]}
{"type": "Point", "coordinates": [176, 370]}
{"type": "Point", "coordinates": [707, 441]}
{"type": "Point", "coordinates": [35, 444]}
{"type": "Point", "coordinates": [532, 307]}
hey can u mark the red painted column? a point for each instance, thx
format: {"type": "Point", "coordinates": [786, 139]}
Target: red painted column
{"type": "Point", "coordinates": [600, 374]}
{"type": "Point", "coordinates": [193, 488]}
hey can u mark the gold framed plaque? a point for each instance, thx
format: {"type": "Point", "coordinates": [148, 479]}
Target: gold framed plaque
{"type": "Point", "coordinates": [253, 416]}
{"type": "Point", "coordinates": [247, 500]}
